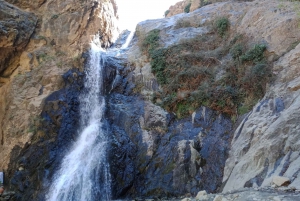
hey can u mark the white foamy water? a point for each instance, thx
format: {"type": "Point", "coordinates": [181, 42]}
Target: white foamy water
{"type": "Point", "coordinates": [128, 40]}
{"type": "Point", "coordinates": [84, 172]}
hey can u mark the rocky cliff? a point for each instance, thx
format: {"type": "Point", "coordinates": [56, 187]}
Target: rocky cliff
{"type": "Point", "coordinates": [187, 6]}
{"type": "Point", "coordinates": [265, 138]}
{"type": "Point", "coordinates": [40, 41]}
{"type": "Point", "coordinates": [205, 100]}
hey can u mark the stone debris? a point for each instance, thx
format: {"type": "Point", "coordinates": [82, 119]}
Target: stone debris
{"type": "Point", "coordinates": [248, 194]}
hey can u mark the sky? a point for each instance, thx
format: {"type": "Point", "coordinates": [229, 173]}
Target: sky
{"type": "Point", "coordinates": [132, 12]}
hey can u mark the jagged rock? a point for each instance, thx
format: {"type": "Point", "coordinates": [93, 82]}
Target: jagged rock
{"type": "Point", "coordinates": [180, 6]}
{"type": "Point", "coordinates": [281, 181]}
{"type": "Point", "coordinates": [270, 123]}
{"type": "Point", "coordinates": [171, 158]}
{"type": "Point", "coordinates": [219, 198]}
{"type": "Point", "coordinates": [16, 28]}
{"type": "Point", "coordinates": [201, 195]}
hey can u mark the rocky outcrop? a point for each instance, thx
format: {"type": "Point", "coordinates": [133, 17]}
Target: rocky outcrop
{"type": "Point", "coordinates": [16, 28]}
{"type": "Point", "coordinates": [265, 142]}
{"type": "Point", "coordinates": [42, 46]}
{"type": "Point", "coordinates": [189, 5]}
{"type": "Point", "coordinates": [172, 157]}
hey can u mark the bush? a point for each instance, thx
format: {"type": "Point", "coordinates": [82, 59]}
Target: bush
{"type": "Point", "coordinates": [204, 3]}
{"type": "Point", "coordinates": [255, 54]}
{"type": "Point", "coordinates": [186, 73]}
{"type": "Point", "coordinates": [236, 51]}
{"type": "Point", "coordinates": [166, 13]}
{"type": "Point", "coordinates": [222, 25]}
{"type": "Point", "coordinates": [182, 23]}
{"type": "Point", "coordinates": [151, 41]}
{"type": "Point", "coordinates": [158, 65]}
{"type": "Point", "coordinates": [187, 8]}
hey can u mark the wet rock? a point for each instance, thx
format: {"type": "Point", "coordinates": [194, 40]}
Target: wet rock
{"type": "Point", "coordinates": [53, 136]}
{"type": "Point", "coordinates": [171, 157]}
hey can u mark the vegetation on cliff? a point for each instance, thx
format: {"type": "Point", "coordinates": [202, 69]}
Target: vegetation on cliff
{"type": "Point", "coordinates": [197, 72]}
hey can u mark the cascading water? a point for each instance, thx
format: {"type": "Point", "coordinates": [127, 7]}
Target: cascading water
{"type": "Point", "coordinates": [84, 172]}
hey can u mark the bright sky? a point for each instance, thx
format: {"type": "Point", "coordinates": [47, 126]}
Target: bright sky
{"type": "Point", "coordinates": [132, 12]}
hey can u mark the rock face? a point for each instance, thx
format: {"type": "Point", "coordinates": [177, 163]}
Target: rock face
{"type": "Point", "coordinates": [171, 157]}
{"type": "Point", "coordinates": [37, 47]}
{"type": "Point", "coordinates": [16, 28]}
{"type": "Point", "coordinates": [32, 167]}
{"type": "Point", "coordinates": [265, 144]}
{"type": "Point", "coordinates": [153, 153]}
{"type": "Point", "coordinates": [193, 5]}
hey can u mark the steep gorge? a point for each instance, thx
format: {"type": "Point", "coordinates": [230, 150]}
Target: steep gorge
{"type": "Point", "coordinates": [156, 151]}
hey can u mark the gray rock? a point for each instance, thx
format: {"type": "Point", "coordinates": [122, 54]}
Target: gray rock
{"type": "Point", "coordinates": [201, 195]}
{"type": "Point", "coordinates": [218, 198]}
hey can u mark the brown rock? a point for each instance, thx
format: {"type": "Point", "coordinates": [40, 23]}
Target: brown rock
{"type": "Point", "coordinates": [281, 181]}
{"type": "Point", "coordinates": [36, 49]}
{"type": "Point", "coordinates": [16, 28]}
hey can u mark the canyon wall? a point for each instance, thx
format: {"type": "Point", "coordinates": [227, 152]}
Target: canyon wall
{"type": "Point", "coordinates": [40, 41]}
{"type": "Point", "coordinates": [160, 150]}
{"type": "Point", "coordinates": [265, 140]}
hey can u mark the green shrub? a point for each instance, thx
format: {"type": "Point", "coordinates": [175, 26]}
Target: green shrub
{"type": "Point", "coordinates": [184, 109]}
{"type": "Point", "coordinates": [158, 65]}
{"type": "Point", "coordinates": [182, 23]}
{"type": "Point", "coordinates": [186, 73]}
{"type": "Point", "coordinates": [222, 25]}
{"type": "Point", "coordinates": [166, 13]}
{"type": "Point", "coordinates": [187, 8]}
{"type": "Point", "coordinates": [151, 41]}
{"type": "Point", "coordinates": [236, 51]}
{"type": "Point", "coordinates": [53, 17]}
{"type": "Point", "coordinates": [255, 54]}
{"type": "Point", "coordinates": [204, 3]}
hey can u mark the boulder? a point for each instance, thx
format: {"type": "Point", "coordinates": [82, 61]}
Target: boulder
{"type": "Point", "coordinates": [201, 195]}
{"type": "Point", "coordinates": [219, 198]}
{"type": "Point", "coordinates": [281, 181]}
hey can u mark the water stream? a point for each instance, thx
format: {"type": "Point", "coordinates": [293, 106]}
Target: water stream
{"type": "Point", "coordinates": [84, 172]}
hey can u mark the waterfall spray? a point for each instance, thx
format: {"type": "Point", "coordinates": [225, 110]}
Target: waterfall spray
{"type": "Point", "coordinates": [84, 172]}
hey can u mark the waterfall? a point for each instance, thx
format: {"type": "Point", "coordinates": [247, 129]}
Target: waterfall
{"type": "Point", "coordinates": [128, 40]}
{"type": "Point", "coordinates": [84, 172]}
